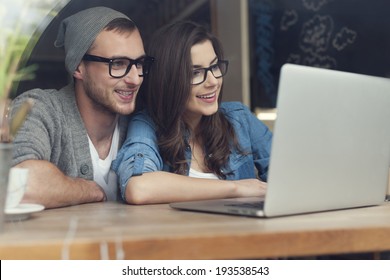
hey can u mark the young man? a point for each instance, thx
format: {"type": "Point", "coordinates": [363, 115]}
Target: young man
{"type": "Point", "coordinates": [72, 135]}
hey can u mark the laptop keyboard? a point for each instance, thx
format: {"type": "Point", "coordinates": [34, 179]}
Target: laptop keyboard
{"type": "Point", "coordinates": [252, 205]}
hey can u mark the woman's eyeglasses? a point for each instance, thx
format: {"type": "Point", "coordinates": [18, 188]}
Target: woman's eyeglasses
{"type": "Point", "coordinates": [218, 70]}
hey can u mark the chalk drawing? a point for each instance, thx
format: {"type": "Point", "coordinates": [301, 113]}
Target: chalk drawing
{"type": "Point", "coordinates": [314, 5]}
{"type": "Point", "coordinates": [289, 18]}
{"type": "Point", "coordinates": [344, 38]}
{"type": "Point", "coordinates": [316, 34]}
{"type": "Point", "coordinates": [321, 36]}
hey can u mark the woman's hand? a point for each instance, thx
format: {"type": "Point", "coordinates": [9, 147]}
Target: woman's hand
{"type": "Point", "coordinates": [250, 187]}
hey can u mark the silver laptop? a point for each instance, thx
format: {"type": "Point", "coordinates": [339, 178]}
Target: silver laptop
{"type": "Point", "coordinates": [330, 150]}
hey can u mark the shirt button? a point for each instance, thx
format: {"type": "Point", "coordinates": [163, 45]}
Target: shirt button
{"type": "Point", "coordinates": [140, 155]}
{"type": "Point", "coordinates": [84, 169]}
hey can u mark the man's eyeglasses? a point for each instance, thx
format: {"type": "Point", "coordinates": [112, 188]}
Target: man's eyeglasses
{"type": "Point", "coordinates": [119, 67]}
{"type": "Point", "coordinates": [218, 70]}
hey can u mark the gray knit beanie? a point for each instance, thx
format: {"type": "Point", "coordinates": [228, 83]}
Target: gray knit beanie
{"type": "Point", "coordinates": [77, 33]}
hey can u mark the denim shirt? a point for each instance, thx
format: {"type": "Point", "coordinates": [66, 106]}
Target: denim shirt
{"type": "Point", "coordinates": [140, 153]}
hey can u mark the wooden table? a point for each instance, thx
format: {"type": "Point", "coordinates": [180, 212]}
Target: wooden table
{"type": "Point", "coordinates": [118, 231]}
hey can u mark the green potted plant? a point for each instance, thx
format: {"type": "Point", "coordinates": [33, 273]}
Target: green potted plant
{"type": "Point", "coordinates": [21, 23]}
{"type": "Point", "coordinates": [13, 47]}
{"type": "Point", "coordinates": [12, 50]}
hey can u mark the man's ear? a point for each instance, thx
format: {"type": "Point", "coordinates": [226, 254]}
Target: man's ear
{"type": "Point", "coordinates": [78, 73]}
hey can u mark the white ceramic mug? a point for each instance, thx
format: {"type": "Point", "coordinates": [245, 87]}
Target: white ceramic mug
{"type": "Point", "coordinates": [17, 183]}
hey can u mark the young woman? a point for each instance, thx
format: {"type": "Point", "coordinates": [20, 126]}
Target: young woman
{"type": "Point", "coordinates": [187, 145]}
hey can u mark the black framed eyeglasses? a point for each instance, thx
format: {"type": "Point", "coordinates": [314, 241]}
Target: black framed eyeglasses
{"type": "Point", "coordinates": [218, 70]}
{"type": "Point", "coordinates": [120, 66]}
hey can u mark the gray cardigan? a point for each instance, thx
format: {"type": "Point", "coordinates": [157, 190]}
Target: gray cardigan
{"type": "Point", "coordinates": [54, 131]}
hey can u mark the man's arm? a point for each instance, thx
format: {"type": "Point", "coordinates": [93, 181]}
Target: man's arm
{"type": "Point", "coordinates": [48, 186]}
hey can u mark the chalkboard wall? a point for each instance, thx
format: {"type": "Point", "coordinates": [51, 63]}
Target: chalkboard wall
{"type": "Point", "coordinates": [347, 35]}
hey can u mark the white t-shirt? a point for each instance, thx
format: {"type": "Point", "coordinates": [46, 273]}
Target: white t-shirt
{"type": "Point", "coordinates": [197, 174]}
{"type": "Point", "coordinates": [102, 174]}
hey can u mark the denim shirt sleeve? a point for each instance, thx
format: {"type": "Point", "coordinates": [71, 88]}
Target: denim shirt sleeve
{"type": "Point", "coordinates": [261, 139]}
{"type": "Point", "coordinates": [253, 135]}
{"type": "Point", "coordinates": [139, 154]}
